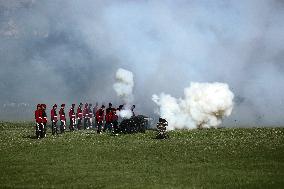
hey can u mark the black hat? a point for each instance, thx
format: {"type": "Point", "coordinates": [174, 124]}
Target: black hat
{"type": "Point", "coordinates": [162, 120]}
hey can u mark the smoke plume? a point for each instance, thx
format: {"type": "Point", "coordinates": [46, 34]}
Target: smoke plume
{"type": "Point", "coordinates": [124, 85]}
{"type": "Point", "coordinates": [204, 105]}
{"type": "Point", "coordinates": [124, 89]}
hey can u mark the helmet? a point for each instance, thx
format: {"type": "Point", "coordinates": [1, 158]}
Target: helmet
{"type": "Point", "coordinates": [43, 105]}
{"type": "Point", "coordinates": [62, 105]}
{"type": "Point", "coordinates": [73, 105]}
{"type": "Point", "coordinates": [110, 104]}
{"type": "Point", "coordinates": [55, 105]}
{"type": "Point", "coordinates": [38, 105]}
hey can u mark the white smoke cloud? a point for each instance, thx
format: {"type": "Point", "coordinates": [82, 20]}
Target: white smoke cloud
{"type": "Point", "coordinates": [204, 105]}
{"type": "Point", "coordinates": [125, 113]}
{"type": "Point", "coordinates": [124, 89]}
{"type": "Point", "coordinates": [235, 42]}
{"type": "Point", "coordinates": [124, 85]}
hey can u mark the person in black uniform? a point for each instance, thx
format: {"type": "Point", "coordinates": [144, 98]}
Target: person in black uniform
{"type": "Point", "coordinates": [162, 129]}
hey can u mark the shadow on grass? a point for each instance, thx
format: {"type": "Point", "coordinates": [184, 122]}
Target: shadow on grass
{"type": "Point", "coordinates": [161, 137]}
{"type": "Point", "coordinates": [92, 133]}
{"type": "Point", "coordinates": [30, 136]}
{"type": "Point", "coordinates": [33, 136]}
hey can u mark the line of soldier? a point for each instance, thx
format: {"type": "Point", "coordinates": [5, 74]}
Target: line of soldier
{"type": "Point", "coordinates": [86, 115]}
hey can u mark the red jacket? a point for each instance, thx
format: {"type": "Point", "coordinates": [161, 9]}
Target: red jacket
{"type": "Point", "coordinates": [53, 115]}
{"type": "Point", "coordinates": [108, 116]}
{"type": "Point", "coordinates": [72, 113]}
{"type": "Point", "coordinates": [79, 113]}
{"type": "Point", "coordinates": [114, 115]}
{"type": "Point", "coordinates": [38, 116]}
{"type": "Point", "coordinates": [86, 113]}
{"type": "Point", "coordinates": [100, 115]}
{"type": "Point", "coordinates": [62, 115]}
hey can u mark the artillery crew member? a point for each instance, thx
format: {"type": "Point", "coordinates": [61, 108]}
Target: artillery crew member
{"type": "Point", "coordinates": [100, 119]}
{"type": "Point", "coordinates": [62, 118]}
{"type": "Point", "coordinates": [72, 117]}
{"type": "Point", "coordinates": [114, 120]}
{"type": "Point", "coordinates": [38, 119]}
{"type": "Point", "coordinates": [54, 119]}
{"type": "Point", "coordinates": [95, 109]}
{"type": "Point", "coordinates": [91, 115]}
{"type": "Point", "coordinates": [44, 119]}
{"type": "Point", "coordinates": [108, 118]}
{"type": "Point", "coordinates": [86, 116]}
{"type": "Point", "coordinates": [162, 128]}
{"type": "Point", "coordinates": [79, 116]}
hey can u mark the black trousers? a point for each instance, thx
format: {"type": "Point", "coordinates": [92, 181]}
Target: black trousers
{"type": "Point", "coordinates": [115, 126]}
{"type": "Point", "coordinates": [37, 130]}
{"type": "Point", "coordinates": [99, 126]}
{"type": "Point", "coordinates": [79, 124]}
{"type": "Point", "coordinates": [54, 128]}
{"type": "Point", "coordinates": [44, 129]}
{"type": "Point", "coordinates": [40, 130]}
{"type": "Point", "coordinates": [72, 124]}
{"type": "Point", "coordinates": [62, 126]}
{"type": "Point", "coordinates": [87, 122]}
{"type": "Point", "coordinates": [91, 120]}
{"type": "Point", "coordinates": [108, 126]}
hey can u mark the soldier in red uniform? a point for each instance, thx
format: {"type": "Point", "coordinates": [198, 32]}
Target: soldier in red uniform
{"type": "Point", "coordinates": [72, 117]}
{"type": "Point", "coordinates": [44, 118]}
{"type": "Point", "coordinates": [100, 118]}
{"type": "Point", "coordinates": [86, 116]}
{"type": "Point", "coordinates": [79, 116]}
{"type": "Point", "coordinates": [38, 119]}
{"type": "Point", "coordinates": [54, 119]}
{"type": "Point", "coordinates": [62, 118]}
{"type": "Point", "coordinates": [95, 109]}
{"type": "Point", "coordinates": [91, 115]}
{"type": "Point", "coordinates": [108, 118]}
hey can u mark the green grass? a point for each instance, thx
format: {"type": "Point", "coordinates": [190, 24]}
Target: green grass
{"type": "Point", "coordinates": [209, 158]}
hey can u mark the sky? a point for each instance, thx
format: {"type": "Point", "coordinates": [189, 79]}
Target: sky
{"type": "Point", "coordinates": [68, 51]}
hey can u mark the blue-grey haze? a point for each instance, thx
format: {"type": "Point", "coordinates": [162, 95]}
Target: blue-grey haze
{"type": "Point", "coordinates": [55, 51]}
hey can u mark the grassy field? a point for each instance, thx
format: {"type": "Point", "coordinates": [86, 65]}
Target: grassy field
{"type": "Point", "coordinates": [209, 158]}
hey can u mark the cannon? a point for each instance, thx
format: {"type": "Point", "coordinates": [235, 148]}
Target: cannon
{"type": "Point", "coordinates": [136, 124]}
